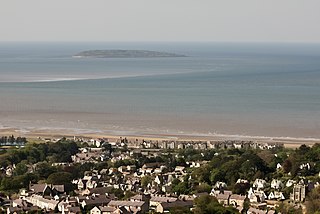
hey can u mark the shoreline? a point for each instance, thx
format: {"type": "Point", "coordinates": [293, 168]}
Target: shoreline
{"type": "Point", "coordinates": [288, 142]}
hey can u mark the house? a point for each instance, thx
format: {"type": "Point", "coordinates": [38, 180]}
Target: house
{"type": "Point", "coordinates": [168, 145]}
{"type": "Point", "coordinates": [236, 200]}
{"type": "Point", "coordinates": [279, 166]}
{"type": "Point", "coordinates": [159, 180]}
{"type": "Point", "coordinates": [69, 205]}
{"type": "Point", "coordinates": [185, 197]}
{"type": "Point", "coordinates": [166, 188]}
{"type": "Point", "coordinates": [305, 166]}
{"type": "Point", "coordinates": [259, 184]}
{"type": "Point", "coordinates": [43, 203]}
{"type": "Point", "coordinates": [101, 191]}
{"type": "Point", "coordinates": [152, 165]}
{"type": "Point", "coordinates": [242, 181]}
{"type": "Point", "coordinates": [180, 169]}
{"type": "Point", "coordinates": [73, 210]}
{"type": "Point", "coordinates": [102, 210]}
{"type": "Point", "coordinates": [298, 192]}
{"type": "Point", "coordinates": [256, 196]}
{"type": "Point", "coordinates": [88, 155]}
{"type": "Point", "coordinates": [131, 206]}
{"type": "Point", "coordinates": [23, 193]}
{"type": "Point", "coordinates": [256, 211]}
{"type": "Point", "coordinates": [15, 210]}
{"type": "Point", "coordinates": [164, 179]}
{"type": "Point", "coordinates": [141, 197]}
{"type": "Point", "coordinates": [253, 210]}
{"type": "Point", "coordinates": [91, 184]}
{"type": "Point", "coordinates": [9, 170]}
{"type": "Point", "coordinates": [96, 142]}
{"type": "Point", "coordinates": [46, 189]}
{"type": "Point", "coordinates": [158, 171]}
{"type": "Point", "coordinates": [155, 200]}
{"type": "Point", "coordinates": [95, 200]}
{"type": "Point", "coordinates": [122, 169]}
{"type": "Point", "coordinates": [220, 185]}
{"type": "Point", "coordinates": [276, 196]}
{"type": "Point", "coordinates": [19, 203]}
{"type": "Point", "coordinates": [196, 195]}
{"type": "Point", "coordinates": [238, 145]}
{"type": "Point", "coordinates": [290, 183]}
{"type": "Point", "coordinates": [277, 184]}
{"type": "Point", "coordinates": [112, 170]}
{"type": "Point", "coordinates": [131, 168]}
{"type": "Point", "coordinates": [90, 180]}
{"type": "Point", "coordinates": [82, 184]}
{"type": "Point", "coordinates": [222, 196]}
{"type": "Point", "coordinates": [164, 207]}
{"type": "Point", "coordinates": [195, 164]}
{"type": "Point", "coordinates": [104, 171]}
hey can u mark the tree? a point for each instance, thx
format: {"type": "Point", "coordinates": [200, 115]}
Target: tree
{"type": "Point", "coordinates": [21, 168]}
{"type": "Point", "coordinates": [107, 148]}
{"type": "Point", "coordinates": [204, 187]}
{"type": "Point", "coordinates": [313, 201]}
{"type": "Point", "coordinates": [60, 178]}
{"type": "Point", "coordinates": [180, 210]}
{"type": "Point", "coordinates": [118, 193]}
{"type": "Point", "coordinates": [251, 163]}
{"type": "Point", "coordinates": [17, 182]}
{"type": "Point", "coordinates": [207, 204]}
{"type": "Point", "coordinates": [217, 175]}
{"type": "Point", "coordinates": [246, 205]}
{"type": "Point", "coordinates": [285, 208]}
{"type": "Point", "coordinates": [181, 188]}
{"type": "Point", "coordinates": [146, 180]}
{"type": "Point", "coordinates": [44, 169]}
{"type": "Point", "coordinates": [202, 174]}
{"type": "Point", "coordinates": [63, 178]}
{"type": "Point", "coordinates": [287, 165]}
{"type": "Point", "coordinates": [241, 188]}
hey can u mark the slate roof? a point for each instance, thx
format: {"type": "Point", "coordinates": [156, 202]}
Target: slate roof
{"type": "Point", "coordinates": [98, 200]}
{"type": "Point", "coordinates": [107, 209]}
{"type": "Point", "coordinates": [168, 205]}
{"type": "Point", "coordinates": [126, 203]}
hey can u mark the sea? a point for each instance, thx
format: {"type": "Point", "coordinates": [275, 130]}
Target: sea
{"type": "Point", "coordinates": [245, 89]}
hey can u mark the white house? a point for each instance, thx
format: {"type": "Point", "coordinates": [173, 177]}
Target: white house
{"type": "Point", "coordinates": [259, 184]}
{"type": "Point", "coordinates": [290, 183]}
{"type": "Point", "coordinates": [276, 184]}
{"type": "Point", "coordinates": [102, 210]}
{"type": "Point", "coordinates": [276, 196]}
{"type": "Point", "coordinates": [43, 203]}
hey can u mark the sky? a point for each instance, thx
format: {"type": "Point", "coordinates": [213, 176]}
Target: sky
{"type": "Point", "coordinates": [160, 20]}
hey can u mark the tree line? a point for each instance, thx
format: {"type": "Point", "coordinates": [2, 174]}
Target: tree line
{"type": "Point", "coordinates": [12, 140]}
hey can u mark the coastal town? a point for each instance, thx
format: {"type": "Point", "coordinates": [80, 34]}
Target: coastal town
{"type": "Point", "coordinates": [104, 176]}
{"type": "Point", "coordinates": [159, 107]}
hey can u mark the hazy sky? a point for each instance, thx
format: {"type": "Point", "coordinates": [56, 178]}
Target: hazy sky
{"type": "Point", "coordinates": [161, 20]}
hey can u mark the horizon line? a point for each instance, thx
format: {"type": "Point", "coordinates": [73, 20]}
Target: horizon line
{"type": "Point", "coordinates": [159, 41]}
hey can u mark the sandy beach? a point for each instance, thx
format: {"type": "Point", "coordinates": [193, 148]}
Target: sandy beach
{"type": "Point", "coordinates": [69, 133]}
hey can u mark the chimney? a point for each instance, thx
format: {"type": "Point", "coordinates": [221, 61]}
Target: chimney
{"type": "Point", "coordinates": [221, 189]}
{"type": "Point", "coordinates": [146, 198]}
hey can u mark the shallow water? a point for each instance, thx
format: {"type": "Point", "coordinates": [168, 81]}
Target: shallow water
{"type": "Point", "coordinates": [245, 89]}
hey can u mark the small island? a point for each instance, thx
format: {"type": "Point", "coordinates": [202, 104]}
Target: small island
{"type": "Point", "coordinates": [124, 54]}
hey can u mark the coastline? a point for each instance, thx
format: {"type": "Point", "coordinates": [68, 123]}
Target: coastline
{"type": "Point", "coordinates": [288, 142]}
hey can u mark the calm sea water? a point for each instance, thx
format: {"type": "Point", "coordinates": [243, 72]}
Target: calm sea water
{"type": "Point", "coordinates": [244, 89]}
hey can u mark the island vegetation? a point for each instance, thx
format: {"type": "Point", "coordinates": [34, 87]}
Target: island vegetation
{"type": "Point", "coordinates": [124, 54]}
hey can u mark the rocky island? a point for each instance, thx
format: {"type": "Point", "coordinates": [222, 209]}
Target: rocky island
{"type": "Point", "coordinates": [124, 54]}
